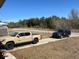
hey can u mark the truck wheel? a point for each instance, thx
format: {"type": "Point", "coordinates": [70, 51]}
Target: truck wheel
{"type": "Point", "coordinates": [35, 41]}
{"type": "Point", "coordinates": [9, 45]}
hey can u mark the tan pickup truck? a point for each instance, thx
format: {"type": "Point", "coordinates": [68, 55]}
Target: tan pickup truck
{"type": "Point", "coordinates": [18, 37]}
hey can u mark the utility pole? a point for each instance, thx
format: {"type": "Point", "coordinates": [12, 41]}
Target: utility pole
{"type": "Point", "coordinates": [1, 52]}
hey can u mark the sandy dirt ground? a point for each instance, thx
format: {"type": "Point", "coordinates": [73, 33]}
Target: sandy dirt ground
{"type": "Point", "coordinates": [63, 49]}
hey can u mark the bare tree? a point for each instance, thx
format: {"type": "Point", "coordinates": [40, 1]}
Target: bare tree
{"type": "Point", "coordinates": [74, 15]}
{"type": "Point", "coordinates": [74, 19]}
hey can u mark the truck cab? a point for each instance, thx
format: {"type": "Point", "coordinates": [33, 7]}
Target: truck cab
{"type": "Point", "coordinates": [22, 37]}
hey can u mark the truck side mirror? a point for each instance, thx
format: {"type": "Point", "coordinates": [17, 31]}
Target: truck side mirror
{"type": "Point", "coordinates": [18, 36]}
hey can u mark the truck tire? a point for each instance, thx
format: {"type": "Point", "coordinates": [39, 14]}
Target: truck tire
{"type": "Point", "coordinates": [36, 40]}
{"type": "Point", "coordinates": [67, 36]}
{"type": "Point", "coordinates": [9, 45]}
{"type": "Point", "coordinates": [59, 36]}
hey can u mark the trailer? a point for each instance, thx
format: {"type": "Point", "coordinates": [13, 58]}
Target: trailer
{"type": "Point", "coordinates": [3, 29]}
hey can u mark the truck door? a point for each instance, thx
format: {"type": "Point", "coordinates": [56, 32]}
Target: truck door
{"type": "Point", "coordinates": [28, 36]}
{"type": "Point", "coordinates": [21, 38]}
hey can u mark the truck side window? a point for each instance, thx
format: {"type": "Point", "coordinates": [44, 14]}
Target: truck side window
{"type": "Point", "coordinates": [27, 34]}
{"type": "Point", "coordinates": [22, 34]}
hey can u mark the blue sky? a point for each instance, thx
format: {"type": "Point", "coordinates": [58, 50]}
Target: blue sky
{"type": "Point", "coordinates": [14, 10]}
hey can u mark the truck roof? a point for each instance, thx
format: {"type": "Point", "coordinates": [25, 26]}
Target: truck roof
{"type": "Point", "coordinates": [20, 32]}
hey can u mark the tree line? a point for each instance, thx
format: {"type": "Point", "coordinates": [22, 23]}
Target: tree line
{"type": "Point", "coordinates": [52, 22]}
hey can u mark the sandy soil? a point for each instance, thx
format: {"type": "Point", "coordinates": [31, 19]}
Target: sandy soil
{"type": "Point", "coordinates": [65, 49]}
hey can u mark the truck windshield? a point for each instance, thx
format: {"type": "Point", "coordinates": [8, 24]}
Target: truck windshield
{"type": "Point", "coordinates": [13, 34]}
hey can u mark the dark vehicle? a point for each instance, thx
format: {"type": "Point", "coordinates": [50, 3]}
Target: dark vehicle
{"type": "Point", "coordinates": [61, 33]}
